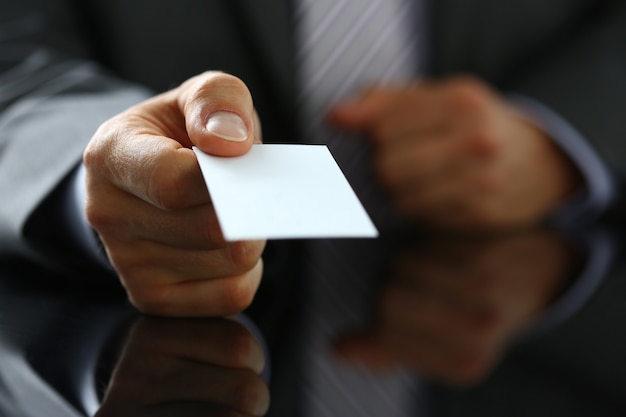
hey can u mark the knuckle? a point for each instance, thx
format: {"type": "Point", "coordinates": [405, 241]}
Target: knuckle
{"type": "Point", "coordinates": [486, 142]}
{"type": "Point", "coordinates": [172, 179]}
{"type": "Point", "coordinates": [95, 151]}
{"type": "Point", "coordinates": [245, 255]}
{"type": "Point", "coordinates": [101, 219]}
{"type": "Point", "coordinates": [164, 185]}
{"type": "Point", "coordinates": [210, 229]}
{"type": "Point", "coordinates": [239, 293]}
{"type": "Point", "coordinates": [138, 280]}
{"type": "Point", "coordinates": [221, 79]}
{"type": "Point", "coordinates": [469, 94]}
{"type": "Point", "coordinates": [150, 300]}
{"type": "Point", "coordinates": [250, 395]}
{"type": "Point", "coordinates": [92, 155]}
{"type": "Point", "coordinates": [241, 348]}
{"type": "Point", "coordinates": [98, 218]}
{"type": "Point", "coordinates": [217, 85]}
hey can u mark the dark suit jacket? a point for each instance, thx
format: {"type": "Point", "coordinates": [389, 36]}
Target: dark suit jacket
{"type": "Point", "coordinates": [569, 54]}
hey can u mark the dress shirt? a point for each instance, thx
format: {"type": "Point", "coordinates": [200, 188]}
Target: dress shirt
{"type": "Point", "coordinates": [338, 286]}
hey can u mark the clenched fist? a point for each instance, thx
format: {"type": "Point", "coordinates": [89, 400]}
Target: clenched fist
{"type": "Point", "coordinates": [454, 154]}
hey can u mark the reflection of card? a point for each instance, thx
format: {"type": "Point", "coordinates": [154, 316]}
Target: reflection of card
{"type": "Point", "coordinates": [283, 192]}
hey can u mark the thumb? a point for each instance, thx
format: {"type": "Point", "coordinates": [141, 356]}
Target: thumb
{"type": "Point", "coordinates": [219, 114]}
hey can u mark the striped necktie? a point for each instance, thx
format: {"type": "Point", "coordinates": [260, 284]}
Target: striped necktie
{"type": "Point", "coordinates": [345, 46]}
{"type": "Point", "coordinates": [342, 278]}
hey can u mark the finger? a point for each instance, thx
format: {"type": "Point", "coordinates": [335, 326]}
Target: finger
{"type": "Point", "coordinates": [127, 218]}
{"type": "Point", "coordinates": [237, 389]}
{"type": "Point", "coordinates": [463, 275]}
{"type": "Point", "coordinates": [384, 349]}
{"type": "Point", "coordinates": [156, 169]}
{"type": "Point", "coordinates": [388, 113]}
{"type": "Point", "coordinates": [433, 191]}
{"type": "Point", "coordinates": [241, 390]}
{"type": "Point", "coordinates": [222, 342]}
{"type": "Point", "coordinates": [152, 264]}
{"type": "Point", "coordinates": [152, 383]}
{"type": "Point", "coordinates": [431, 309]}
{"type": "Point", "coordinates": [401, 163]}
{"type": "Point", "coordinates": [189, 408]}
{"type": "Point", "coordinates": [436, 110]}
{"type": "Point", "coordinates": [412, 321]}
{"type": "Point", "coordinates": [365, 348]}
{"type": "Point", "coordinates": [144, 150]}
{"type": "Point", "coordinates": [358, 112]}
{"type": "Point", "coordinates": [438, 355]}
{"type": "Point", "coordinates": [417, 115]}
{"type": "Point", "coordinates": [210, 297]}
{"type": "Point", "coordinates": [457, 197]}
{"type": "Point", "coordinates": [219, 114]}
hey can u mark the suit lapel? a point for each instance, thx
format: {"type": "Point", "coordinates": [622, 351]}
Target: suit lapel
{"type": "Point", "coordinates": [449, 33]}
{"type": "Point", "coordinates": [268, 32]}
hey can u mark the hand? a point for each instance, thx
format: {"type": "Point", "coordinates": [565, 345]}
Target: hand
{"type": "Point", "coordinates": [451, 309]}
{"type": "Point", "coordinates": [148, 202]}
{"type": "Point", "coordinates": [455, 155]}
{"type": "Point", "coordinates": [182, 368]}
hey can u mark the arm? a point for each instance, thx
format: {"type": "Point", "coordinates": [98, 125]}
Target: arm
{"type": "Point", "coordinates": [598, 190]}
{"type": "Point", "coordinates": [53, 99]}
{"type": "Point", "coordinates": [454, 152]}
{"type": "Point", "coordinates": [583, 82]}
{"type": "Point", "coordinates": [145, 196]}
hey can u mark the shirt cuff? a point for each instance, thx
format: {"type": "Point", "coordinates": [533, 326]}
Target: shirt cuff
{"type": "Point", "coordinates": [585, 207]}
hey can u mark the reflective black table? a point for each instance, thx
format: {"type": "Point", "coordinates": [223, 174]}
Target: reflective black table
{"type": "Point", "coordinates": [526, 324]}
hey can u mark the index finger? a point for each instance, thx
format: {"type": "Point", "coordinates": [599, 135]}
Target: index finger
{"type": "Point", "coordinates": [145, 150]}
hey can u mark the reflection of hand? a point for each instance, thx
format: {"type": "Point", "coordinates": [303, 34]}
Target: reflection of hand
{"type": "Point", "coordinates": [147, 200]}
{"type": "Point", "coordinates": [455, 155]}
{"type": "Point", "coordinates": [449, 310]}
{"type": "Point", "coordinates": [183, 368]}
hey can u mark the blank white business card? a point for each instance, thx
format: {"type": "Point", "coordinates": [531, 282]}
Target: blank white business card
{"type": "Point", "coordinates": [283, 192]}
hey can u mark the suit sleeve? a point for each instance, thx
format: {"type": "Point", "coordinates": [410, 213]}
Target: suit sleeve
{"type": "Point", "coordinates": [53, 96]}
{"type": "Point", "coordinates": [584, 81]}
